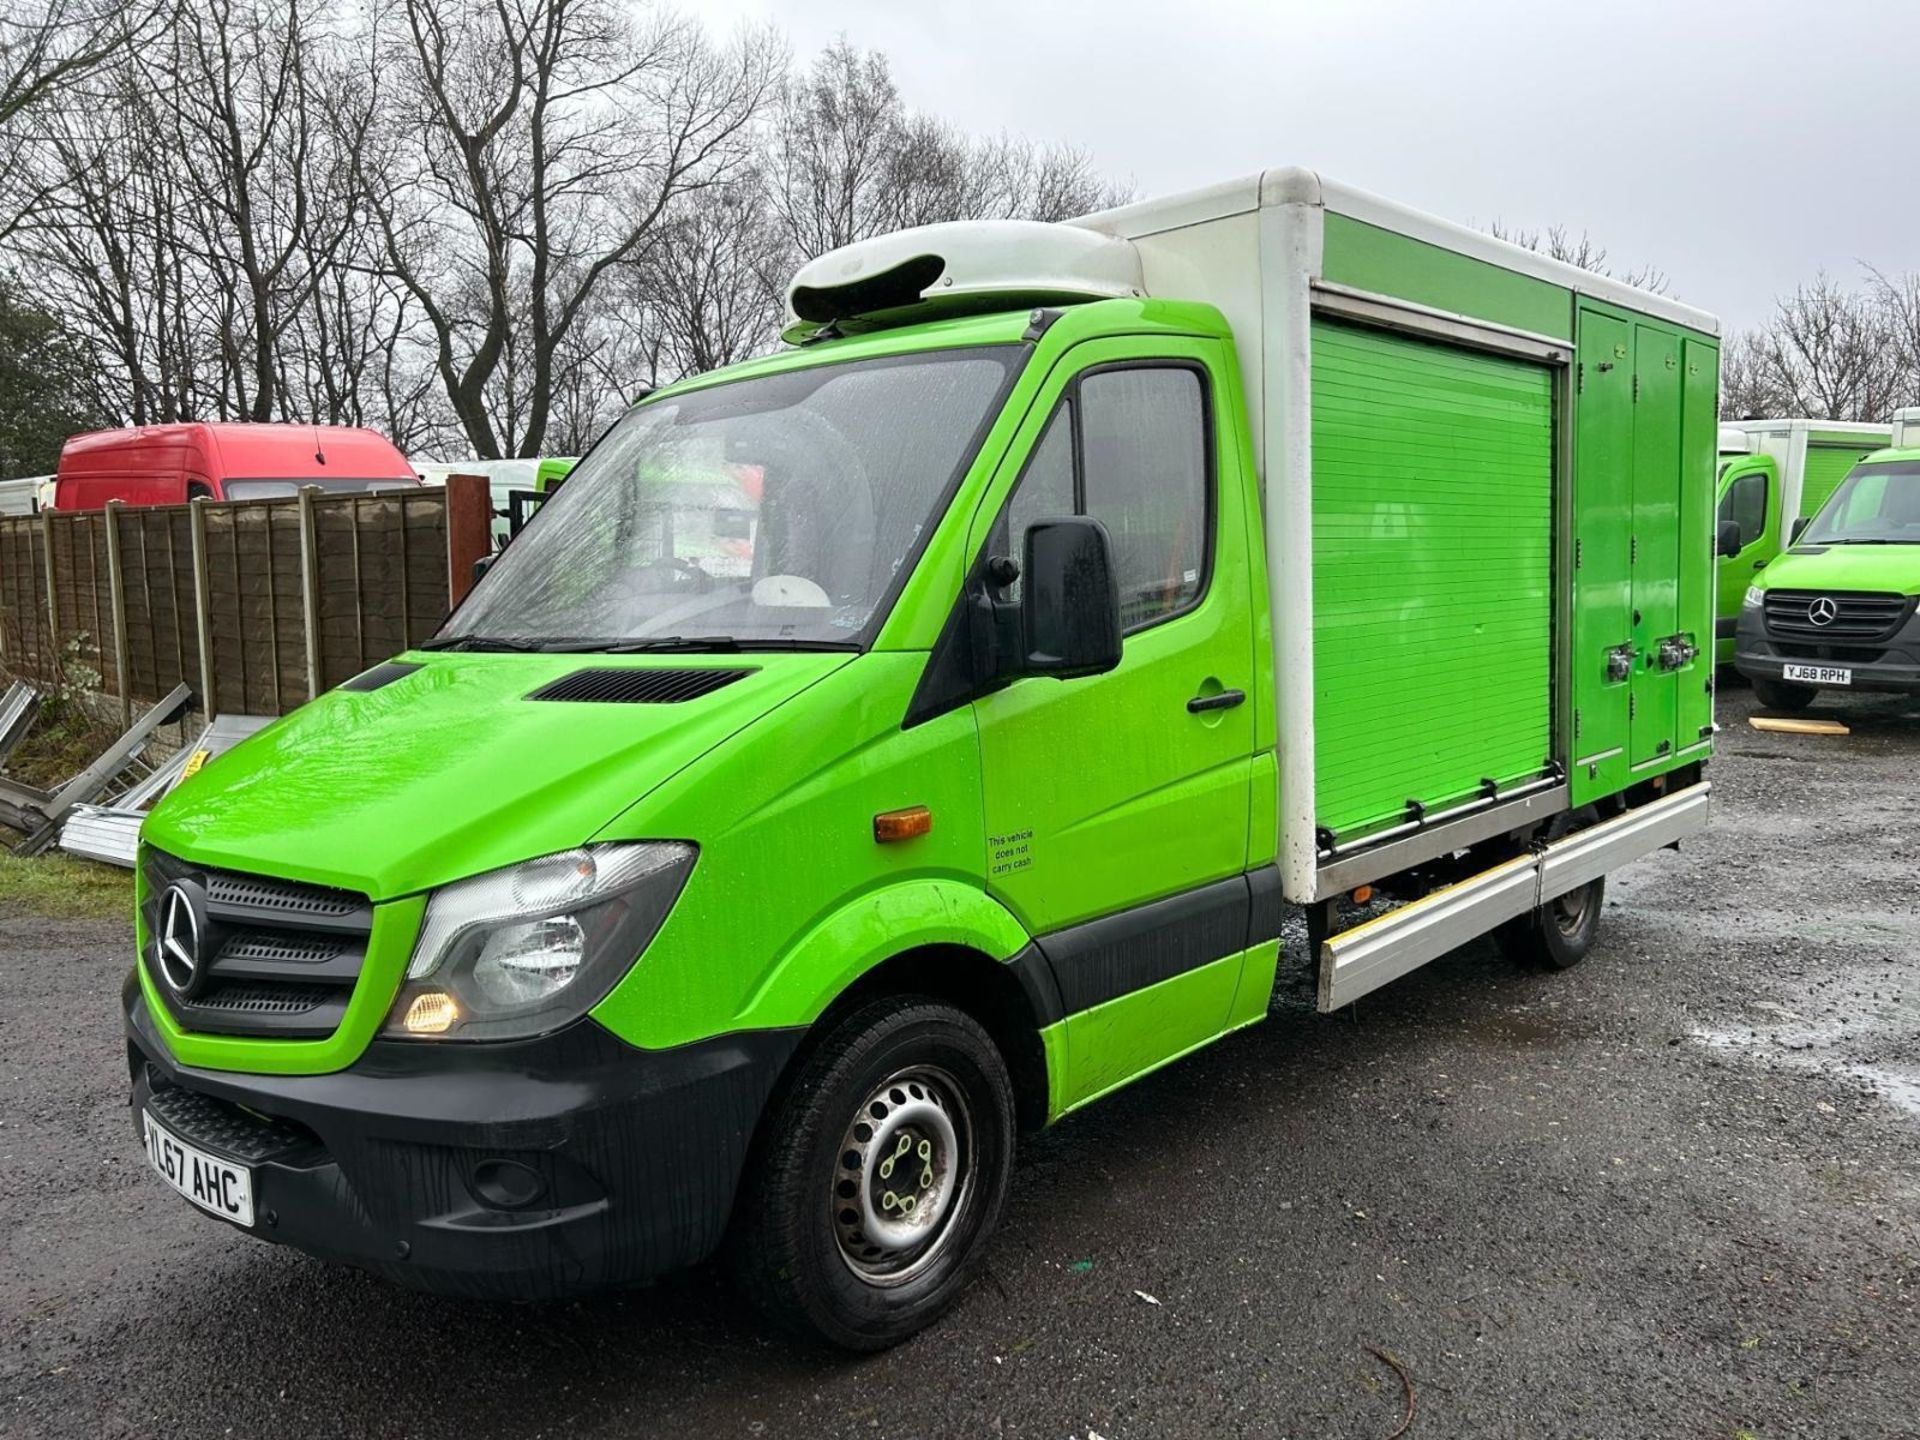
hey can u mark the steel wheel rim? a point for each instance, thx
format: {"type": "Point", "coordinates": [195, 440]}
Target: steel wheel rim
{"type": "Point", "coordinates": [903, 1176]}
{"type": "Point", "coordinates": [1570, 910]}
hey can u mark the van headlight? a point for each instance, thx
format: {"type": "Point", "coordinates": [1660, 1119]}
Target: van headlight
{"type": "Point", "coordinates": [1753, 598]}
{"type": "Point", "coordinates": [524, 950]}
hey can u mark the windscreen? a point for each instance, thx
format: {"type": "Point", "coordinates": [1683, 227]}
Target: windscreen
{"type": "Point", "coordinates": [281, 489]}
{"type": "Point", "coordinates": [775, 510]}
{"type": "Point", "coordinates": [1875, 505]}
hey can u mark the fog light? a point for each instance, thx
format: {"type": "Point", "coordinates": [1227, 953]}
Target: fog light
{"type": "Point", "coordinates": [431, 1013]}
{"type": "Point", "coordinates": [507, 1184]}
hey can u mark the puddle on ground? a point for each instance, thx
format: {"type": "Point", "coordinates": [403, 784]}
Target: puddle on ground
{"type": "Point", "coordinates": [1786, 1036]}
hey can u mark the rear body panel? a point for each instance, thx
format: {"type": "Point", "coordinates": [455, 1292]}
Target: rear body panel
{"type": "Point", "coordinates": [1602, 471]}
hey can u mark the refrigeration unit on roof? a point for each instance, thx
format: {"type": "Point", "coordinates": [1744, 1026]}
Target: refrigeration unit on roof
{"type": "Point", "coordinates": [955, 268]}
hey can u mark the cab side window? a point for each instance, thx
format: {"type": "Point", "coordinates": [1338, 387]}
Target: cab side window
{"type": "Point", "coordinates": [1130, 447]}
{"type": "Point", "coordinates": [1745, 503]}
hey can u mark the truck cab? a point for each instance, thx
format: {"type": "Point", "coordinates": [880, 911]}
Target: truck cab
{"type": "Point", "coordinates": [1836, 611]}
{"type": "Point", "coordinates": [1772, 475]}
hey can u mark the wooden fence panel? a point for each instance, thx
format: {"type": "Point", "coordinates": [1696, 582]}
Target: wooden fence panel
{"type": "Point", "coordinates": [380, 584]}
{"type": "Point", "coordinates": [163, 647]}
{"type": "Point", "coordinates": [26, 639]}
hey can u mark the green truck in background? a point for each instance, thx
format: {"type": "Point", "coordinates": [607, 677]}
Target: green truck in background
{"type": "Point", "coordinates": [1101, 591]}
{"type": "Point", "coordinates": [1836, 611]}
{"type": "Point", "coordinates": [1774, 474]}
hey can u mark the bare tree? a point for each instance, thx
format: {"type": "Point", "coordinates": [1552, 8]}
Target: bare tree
{"type": "Point", "coordinates": [480, 224]}
{"type": "Point", "coordinates": [1556, 242]}
{"type": "Point", "coordinates": [270, 179]}
{"type": "Point", "coordinates": [848, 160]}
{"type": "Point", "coordinates": [1827, 354]}
{"type": "Point", "coordinates": [530, 148]}
{"type": "Point", "coordinates": [47, 49]}
{"type": "Point", "coordinates": [709, 286]}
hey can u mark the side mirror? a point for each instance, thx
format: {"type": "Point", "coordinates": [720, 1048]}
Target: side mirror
{"type": "Point", "coordinates": [1799, 527]}
{"type": "Point", "coordinates": [1070, 607]}
{"type": "Point", "coordinates": [1729, 545]}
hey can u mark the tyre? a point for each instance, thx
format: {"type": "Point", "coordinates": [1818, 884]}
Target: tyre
{"type": "Point", "coordinates": [880, 1174]}
{"type": "Point", "coordinates": [1779, 695]}
{"type": "Point", "coordinates": [1557, 935]}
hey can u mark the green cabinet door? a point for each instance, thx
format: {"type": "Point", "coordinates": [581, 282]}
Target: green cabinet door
{"type": "Point", "coordinates": [1694, 629]}
{"type": "Point", "coordinates": [1602, 579]}
{"type": "Point", "coordinates": [1655, 543]}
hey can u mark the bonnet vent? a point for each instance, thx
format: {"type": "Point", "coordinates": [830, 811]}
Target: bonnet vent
{"type": "Point", "coordinates": [638, 687]}
{"type": "Point", "coordinates": [380, 675]}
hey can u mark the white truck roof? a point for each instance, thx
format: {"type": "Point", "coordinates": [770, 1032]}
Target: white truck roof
{"type": "Point", "coordinates": [1294, 185]}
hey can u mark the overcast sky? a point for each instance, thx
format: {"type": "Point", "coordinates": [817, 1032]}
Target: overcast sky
{"type": "Point", "coordinates": [1740, 145]}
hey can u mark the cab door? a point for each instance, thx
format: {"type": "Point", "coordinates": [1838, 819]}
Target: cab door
{"type": "Point", "coordinates": [1117, 806]}
{"type": "Point", "coordinates": [1750, 498]}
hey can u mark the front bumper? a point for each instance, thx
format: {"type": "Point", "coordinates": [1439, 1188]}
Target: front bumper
{"type": "Point", "coordinates": [1888, 666]}
{"type": "Point", "coordinates": [521, 1170]}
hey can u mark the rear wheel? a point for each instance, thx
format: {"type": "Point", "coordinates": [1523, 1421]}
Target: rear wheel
{"type": "Point", "coordinates": [883, 1170]}
{"type": "Point", "coordinates": [1779, 695]}
{"type": "Point", "coordinates": [1559, 934]}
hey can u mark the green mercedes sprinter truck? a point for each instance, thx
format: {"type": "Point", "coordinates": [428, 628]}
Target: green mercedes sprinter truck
{"type": "Point", "coordinates": [1094, 593]}
{"type": "Point", "coordinates": [1774, 474]}
{"type": "Point", "coordinates": [1837, 610]}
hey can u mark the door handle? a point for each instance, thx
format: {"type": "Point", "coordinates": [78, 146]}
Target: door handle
{"type": "Point", "coordinates": [1225, 700]}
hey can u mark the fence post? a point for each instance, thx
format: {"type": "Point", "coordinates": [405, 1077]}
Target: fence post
{"type": "Point", "coordinates": [310, 587]}
{"type": "Point", "coordinates": [54, 672]}
{"type": "Point", "coordinates": [117, 594]}
{"type": "Point", "coordinates": [469, 532]}
{"type": "Point", "coordinates": [202, 614]}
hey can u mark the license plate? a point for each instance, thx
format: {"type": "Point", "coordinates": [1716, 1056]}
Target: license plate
{"type": "Point", "coordinates": [214, 1185]}
{"type": "Point", "coordinates": [1817, 674]}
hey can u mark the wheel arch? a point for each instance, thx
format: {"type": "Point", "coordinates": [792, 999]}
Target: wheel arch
{"type": "Point", "coordinates": [999, 994]}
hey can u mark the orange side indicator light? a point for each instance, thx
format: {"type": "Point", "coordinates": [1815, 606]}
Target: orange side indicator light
{"type": "Point", "coordinates": [907, 824]}
{"type": "Point", "coordinates": [1361, 894]}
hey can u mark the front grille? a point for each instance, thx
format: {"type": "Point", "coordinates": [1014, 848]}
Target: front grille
{"type": "Point", "coordinates": [1842, 654]}
{"type": "Point", "coordinates": [638, 687]}
{"type": "Point", "coordinates": [276, 958]}
{"type": "Point", "coordinates": [1846, 617]}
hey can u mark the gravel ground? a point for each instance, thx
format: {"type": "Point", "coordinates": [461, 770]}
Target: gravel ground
{"type": "Point", "coordinates": [1671, 1193]}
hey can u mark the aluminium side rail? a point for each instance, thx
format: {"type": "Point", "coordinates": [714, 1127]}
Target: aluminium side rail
{"type": "Point", "coordinates": [1361, 960]}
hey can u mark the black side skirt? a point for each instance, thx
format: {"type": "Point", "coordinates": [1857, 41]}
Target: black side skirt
{"type": "Point", "coordinates": [1101, 960]}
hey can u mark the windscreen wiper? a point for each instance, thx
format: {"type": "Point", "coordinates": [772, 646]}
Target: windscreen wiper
{"type": "Point", "coordinates": [479, 642]}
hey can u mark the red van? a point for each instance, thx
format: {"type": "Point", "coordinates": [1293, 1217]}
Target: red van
{"type": "Point", "coordinates": [172, 464]}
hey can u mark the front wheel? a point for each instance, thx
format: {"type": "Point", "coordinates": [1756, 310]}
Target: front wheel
{"type": "Point", "coordinates": [883, 1170]}
{"type": "Point", "coordinates": [1779, 695]}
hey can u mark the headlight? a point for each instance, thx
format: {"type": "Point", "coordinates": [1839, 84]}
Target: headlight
{"type": "Point", "coordinates": [1753, 598]}
{"type": "Point", "coordinates": [524, 950]}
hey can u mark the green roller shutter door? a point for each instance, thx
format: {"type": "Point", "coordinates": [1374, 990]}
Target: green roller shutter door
{"type": "Point", "coordinates": [1433, 598]}
{"type": "Point", "coordinates": [1827, 466]}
